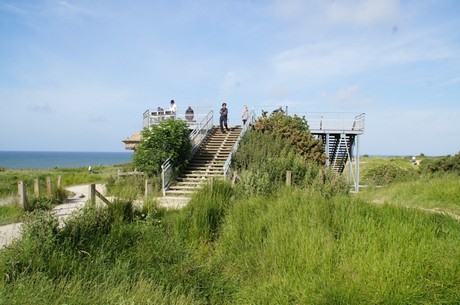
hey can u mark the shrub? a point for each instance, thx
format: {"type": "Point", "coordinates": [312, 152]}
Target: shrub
{"type": "Point", "coordinates": [296, 130]}
{"type": "Point", "coordinates": [39, 203]}
{"type": "Point", "coordinates": [169, 139]}
{"type": "Point", "coordinates": [86, 227]}
{"type": "Point", "coordinates": [444, 164]}
{"type": "Point", "coordinates": [385, 173]}
{"type": "Point", "coordinates": [253, 183]}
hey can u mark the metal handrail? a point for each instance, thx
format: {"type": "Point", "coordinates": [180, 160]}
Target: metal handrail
{"type": "Point", "coordinates": [200, 133]}
{"type": "Point", "coordinates": [197, 137]}
{"type": "Point", "coordinates": [245, 128]}
{"type": "Point", "coordinates": [166, 173]}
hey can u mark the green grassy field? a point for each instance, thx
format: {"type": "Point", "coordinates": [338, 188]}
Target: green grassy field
{"type": "Point", "coordinates": [292, 247]}
{"type": "Point", "coordinates": [387, 244]}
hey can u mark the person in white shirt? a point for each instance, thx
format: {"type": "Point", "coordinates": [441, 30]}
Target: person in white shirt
{"type": "Point", "coordinates": [173, 107]}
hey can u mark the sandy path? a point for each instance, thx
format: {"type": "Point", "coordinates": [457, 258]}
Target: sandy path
{"type": "Point", "coordinates": [9, 233]}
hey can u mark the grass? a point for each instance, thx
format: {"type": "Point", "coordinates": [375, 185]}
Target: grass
{"type": "Point", "coordinates": [293, 247]}
{"type": "Point", "coordinates": [428, 192]}
{"type": "Point", "coordinates": [10, 213]}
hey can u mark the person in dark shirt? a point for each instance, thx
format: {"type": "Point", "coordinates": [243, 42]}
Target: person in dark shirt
{"type": "Point", "coordinates": [189, 114]}
{"type": "Point", "coordinates": [223, 117]}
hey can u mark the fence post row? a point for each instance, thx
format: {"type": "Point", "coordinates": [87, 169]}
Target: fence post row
{"type": "Point", "coordinates": [22, 190]}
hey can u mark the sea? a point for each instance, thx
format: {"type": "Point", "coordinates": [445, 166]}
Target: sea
{"type": "Point", "coordinates": [59, 159]}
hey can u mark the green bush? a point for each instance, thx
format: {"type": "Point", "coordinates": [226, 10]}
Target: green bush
{"type": "Point", "coordinates": [443, 164]}
{"type": "Point", "coordinates": [296, 130]}
{"type": "Point", "coordinates": [39, 203]}
{"type": "Point", "coordinates": [385, 173]}
{"type": "Point", "coordinates": [169, 139]}
{"type": "Point", "coordinates": [85, 228]}
{"type": "Point", "coordinates": [253, 183]}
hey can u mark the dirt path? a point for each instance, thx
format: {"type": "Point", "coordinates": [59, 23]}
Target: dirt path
{"type": "Point", "coordinates": [9, 233]}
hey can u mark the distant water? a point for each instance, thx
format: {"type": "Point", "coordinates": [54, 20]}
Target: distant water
{"type": "Point", "coordinates": [53, 159]}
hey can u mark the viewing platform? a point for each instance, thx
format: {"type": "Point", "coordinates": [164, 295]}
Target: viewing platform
{"type": "Point", "coordinates": [339, 133]}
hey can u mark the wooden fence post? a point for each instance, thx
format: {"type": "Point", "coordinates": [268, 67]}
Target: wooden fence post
{"type": "Point", "coordinates": [92, 194]}
{"type": "Point", "coordinates": [235, 176]}
{"type": "Point", "coordinates": [148, 187]}
{"type": "Point", "coordinates": [288, 178]}
{"type": "Point", "coordinates": [48, 186]}
{"type": "Point", "coordinates": [59, 182]}
{"type": "Point", "coordinates": [22, 198]}
{"type": "Point", "coordinates": [37, 187]}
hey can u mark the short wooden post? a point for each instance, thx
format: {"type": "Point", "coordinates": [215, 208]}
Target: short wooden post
{"type": "Point", "coordinates": [48, 186]}
{"type": "Point", "coordinates": [59, 182]}
{"type": "Point", "coordinates": [37, 187]}
{"type": "Point", "coordinates": [288, 178]}
{"type": "Point", "coordinates": [92, 194]}
{"type": "Point", "coordinates": [22, 199]}
{"type": "Point", "coordinates": [148, 187]}
{"type": "Point", "coordinates": [235, 176]}
{"type": "Point", "coordinates": [212, 183]}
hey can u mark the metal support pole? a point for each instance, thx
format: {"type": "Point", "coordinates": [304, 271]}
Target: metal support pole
{"type": "Point", "coordinates": [357, 164]}
{"type": "Point", "coordinates": [327, 150]}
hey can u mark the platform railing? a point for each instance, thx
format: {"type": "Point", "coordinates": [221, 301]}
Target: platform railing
{"type": "Point", "coordinates": [334, 121]}
{"type": "Point", "coordinates": [152, 117]}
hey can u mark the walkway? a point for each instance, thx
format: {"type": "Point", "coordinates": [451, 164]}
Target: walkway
{"type": "Point", "coordinates": [9, 233]}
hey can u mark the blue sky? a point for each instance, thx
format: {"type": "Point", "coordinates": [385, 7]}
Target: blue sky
{"type": "Point", "coordinates": [77, 75]}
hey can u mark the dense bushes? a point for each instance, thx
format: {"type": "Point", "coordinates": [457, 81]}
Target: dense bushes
{"type": "Point", "coordinates": [295, 129]}
{"type": "Point", "coordinates": [169, 139]}
{"type": "Point", "coordinates": [443, 164]}
{"type": "Point", "coordinates": [263, 159]}
{"type": "Point", "coordinates": [385, 173]}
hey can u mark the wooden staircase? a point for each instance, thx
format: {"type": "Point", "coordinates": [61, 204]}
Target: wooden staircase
{"type": "Point", "coordinates": [206, 163]}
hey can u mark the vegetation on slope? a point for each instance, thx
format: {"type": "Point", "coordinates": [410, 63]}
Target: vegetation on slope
{"type": "Point", "coordinates": [295, 247]}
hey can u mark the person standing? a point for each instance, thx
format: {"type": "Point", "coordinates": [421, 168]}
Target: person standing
{"type": "Point", "coordinates": [245, 115]}
{"type": "Point", "coordinates": [189, 114]}
{"type": "Point", "coordinates": [173, 107]}
{"type": "Point", "coordinates": [223, 117]}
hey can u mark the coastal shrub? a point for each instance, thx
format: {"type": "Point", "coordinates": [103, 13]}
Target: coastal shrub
{"type": "Point", "coordinates": [385, 173]}
{"type": "Point", "coordinates": [443, 164]}
{"type": "Point", "coordinates": [39, 203]}
{"type": "Point", "coordinates": [328, 183]}
{"type": "Point", "coordinates": [296, 130]}
{"type": "Point", "coordinates": [169, 139]}
{"type": "Point", "coordinates": [85, 228]}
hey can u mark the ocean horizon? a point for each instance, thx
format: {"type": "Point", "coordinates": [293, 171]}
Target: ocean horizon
{"type": "Point", "coordinates": [60, 159]}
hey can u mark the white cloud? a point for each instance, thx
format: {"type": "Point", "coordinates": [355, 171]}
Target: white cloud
{"type": "Point", "coordinates": [320, 60]}
{"type": "Point", "coordinates": [348, 97]}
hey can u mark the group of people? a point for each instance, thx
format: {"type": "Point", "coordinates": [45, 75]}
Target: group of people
{"type": "Point", "coordinates": [189, 114]}
{"type": "Point", "coordinates": [224, 117]}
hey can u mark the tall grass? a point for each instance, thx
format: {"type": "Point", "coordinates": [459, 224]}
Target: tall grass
{"type": "Point", "coordinates": [440, 192]}
{"type": "Point", "coordinates": [303, 249]}
{"type": "Point", "coordinates": [292, 247]}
